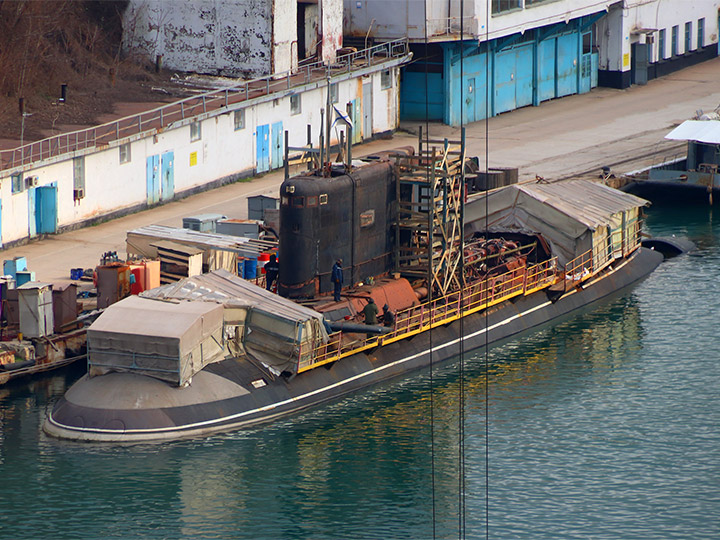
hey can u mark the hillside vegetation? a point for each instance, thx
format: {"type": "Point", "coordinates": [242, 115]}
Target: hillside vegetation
{"type": "Point", "coordinates": [47, 43]}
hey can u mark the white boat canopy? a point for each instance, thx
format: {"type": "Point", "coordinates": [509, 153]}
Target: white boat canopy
{"type": "Point", "coordinates": [564, 213]}
{"type": "Point", "coordinates": [704, 131]}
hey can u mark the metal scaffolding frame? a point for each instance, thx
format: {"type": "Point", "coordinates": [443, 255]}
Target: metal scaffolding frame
{"type": "Point", "coordinates": [429, 214]}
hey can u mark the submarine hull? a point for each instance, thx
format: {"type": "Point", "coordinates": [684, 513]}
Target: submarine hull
{"type": "Point", "coordinates": [233, 393]}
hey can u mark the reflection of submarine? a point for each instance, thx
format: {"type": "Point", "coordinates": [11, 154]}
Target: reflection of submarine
{"type": "Point", "coordinates": [213, 352]}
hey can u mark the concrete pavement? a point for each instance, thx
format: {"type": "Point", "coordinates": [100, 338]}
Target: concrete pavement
{"type": "Point", "coordinates": [561, 138]}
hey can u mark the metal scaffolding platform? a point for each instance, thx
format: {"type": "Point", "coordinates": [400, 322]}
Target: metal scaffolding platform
{"type": "Point", "coordinates": [429, 217]}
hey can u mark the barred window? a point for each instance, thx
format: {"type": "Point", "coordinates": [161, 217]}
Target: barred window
{"type": "Point", "coordinates": [500, 6]}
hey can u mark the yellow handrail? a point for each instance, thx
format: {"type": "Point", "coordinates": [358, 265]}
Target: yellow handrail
{"type": "Point", "coordinates": [480, 295]}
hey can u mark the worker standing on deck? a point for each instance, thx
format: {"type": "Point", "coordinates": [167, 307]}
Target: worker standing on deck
{"type": "Point", "coordinates": [337, 279]}
{"type": "Point", "coordinates": [370, 311]}
{"type": "Point", "coordinates": [388, 316]}
{"type": "Point", "coordinates": [272, 269]}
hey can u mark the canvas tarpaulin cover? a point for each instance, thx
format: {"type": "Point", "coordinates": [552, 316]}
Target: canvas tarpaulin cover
{"type": "Point", "coordinates": [565, 213]}
{"type": "Point", "coordinates": [276, 330]}
{"type": "Point", "coordinates": [167, 340]}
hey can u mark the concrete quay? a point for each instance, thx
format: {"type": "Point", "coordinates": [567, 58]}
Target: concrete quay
{"type": "Point", "coordinates": [563, 138]}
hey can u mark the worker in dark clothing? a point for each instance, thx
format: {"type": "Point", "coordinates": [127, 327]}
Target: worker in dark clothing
{"type": "Point", "coordinates": [388, 316]}
{"type": "Point", "coordinates": [337, 279]}
{"type": "Point", "coordinates": [272, 268]}
{"type": "Point", "coordinates": [370, 311]}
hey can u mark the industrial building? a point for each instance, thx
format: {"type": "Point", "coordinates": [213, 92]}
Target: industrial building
{"type": "Point", "coordinates": [234, 38]}
{"type": "Point", "coordinates": [477, 58]}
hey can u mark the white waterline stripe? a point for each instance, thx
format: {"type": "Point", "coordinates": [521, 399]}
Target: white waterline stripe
{"type": "Point", "coordinates": [319, 390]}
{"type": "Point", "coordinates": [309, 394]}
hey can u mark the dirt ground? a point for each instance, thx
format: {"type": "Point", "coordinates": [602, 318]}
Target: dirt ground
{"type": "Point", "coordinates": [89, 101]}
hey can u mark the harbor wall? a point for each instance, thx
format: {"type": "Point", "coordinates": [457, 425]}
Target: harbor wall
{"type": "Point", "coordinates": [195, 154]}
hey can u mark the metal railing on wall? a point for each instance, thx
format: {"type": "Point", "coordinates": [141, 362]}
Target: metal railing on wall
{"type": "Point", "coordinates": [162, 117]}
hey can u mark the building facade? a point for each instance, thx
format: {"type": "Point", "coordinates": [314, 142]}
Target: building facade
{"type": "Point", "coordinates": [234, 38]}
{"type": "Point", "coordinates": [75, 179]}
{"type": "Point", "coordinates": [479, 58]}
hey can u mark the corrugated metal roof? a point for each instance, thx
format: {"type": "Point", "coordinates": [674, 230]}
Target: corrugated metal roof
{"type": "Point", "coordinates": [590, 203]}
{"type": "Point", "coordinates": [704, 131]}
{"type": "Point", "coordinates": [237, 244]}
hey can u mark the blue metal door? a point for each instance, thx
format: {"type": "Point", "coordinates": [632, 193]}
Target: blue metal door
{"type": "Point", "coordinates": [469, 108]}
{"type": "Point", "coordinates": [524, 75]}
{"type": "Point", "coordinates": [567, 64]}
{"type": "Point", "coordinates": [504, 81]}
{"type": "Point", "coordinates": [546, 69]}
{"type": "Point", "coordinates": [167, 166]}
{"type": "Point", "coordinates": [277, 146]}
{"type": "Point", "coordinates": [46, 209]}
{"type": "Point", "coordinates": [32, 220]}
{"type": "Point", "coordinates": [262, 136]}
{"type": "Point", "coordinates": [153, 179]}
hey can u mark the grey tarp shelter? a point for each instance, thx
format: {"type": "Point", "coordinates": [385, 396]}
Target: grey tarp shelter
{"type": "Point", "coordinates": [273, 330]}
{"type": "Point", "coordinates": [566, 213]}
{"type": "Point", "coordinates": [167, 340]}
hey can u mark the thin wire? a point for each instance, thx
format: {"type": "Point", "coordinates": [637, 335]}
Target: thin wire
{"type": "Point", "coordinates": [430, 243]}
{"type": "Point", "coordinates": [461, 397]}
{"type": "Point", "coordinates": [487, 354]}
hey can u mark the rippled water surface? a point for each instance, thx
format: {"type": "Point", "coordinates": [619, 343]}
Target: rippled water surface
{"type": "Point", "coordinates": [606, 426]}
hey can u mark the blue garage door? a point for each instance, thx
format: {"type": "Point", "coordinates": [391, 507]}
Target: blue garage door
{"type": "Point", "coordinates": [546, 69]}
{"type": "Point", "coordinates": [504, 81]}
{"type": "Point", "coordinates": [278, 148]}
{"type": "Point", "coordinates": [523, 75]}
{"type": "Point", "coordinates": [567, 64]}
{"type": "Point", "coordinates": [152, 176]}
{"type": "Point", "coordinates": [167, 165]}
{"type": "Point", "coordinates": [412, 96]}
{"type": "Point", "coordinates": [513, 78]}
{"type": "Point", "coordinates": [262, 138]}
{"type": "Point", "coordinates": [46, 209]}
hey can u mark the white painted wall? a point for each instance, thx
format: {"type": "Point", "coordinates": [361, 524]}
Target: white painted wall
{"type": "Point", "coordinates": [222, 152]}
{"type": "Point", "coordinates": [623, 26]}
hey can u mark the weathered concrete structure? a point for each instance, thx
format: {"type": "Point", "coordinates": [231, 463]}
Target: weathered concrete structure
{"type": "Point", "coordinates": [249, 38]}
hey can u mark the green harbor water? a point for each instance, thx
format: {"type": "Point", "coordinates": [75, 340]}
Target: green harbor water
{"type": "Point", "coordinates": [606, 426]}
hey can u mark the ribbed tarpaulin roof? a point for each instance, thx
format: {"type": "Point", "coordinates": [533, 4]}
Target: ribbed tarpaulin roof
{"type": "Point", "coordinates": [561, 212]}
{"type": "Point", "coordinates": [704, 131]}
{"type": "Point", "coordinates": [223, 287]}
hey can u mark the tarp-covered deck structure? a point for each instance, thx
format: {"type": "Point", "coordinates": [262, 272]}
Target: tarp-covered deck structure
{"type": "Point", "coordinates": [268, 328]}
{"type": "Point", "coordinates": [167, 340]}
{"type": "Point", "coordinates": [575, 217]}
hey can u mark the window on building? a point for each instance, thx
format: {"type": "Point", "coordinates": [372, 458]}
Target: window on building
{"type": "Point", "coordinates": [195, 131]}
{"type": "Point", "coordinates": [79, 173]}
{"type": "Point", "coordinates": [674, 41]}
{"type": "Point", "coordinates": [701, 33]}
{"type": "Point", "coordinates": [295, 104]}
{"type": "Point", "coordinates": [661, 45]}
{"type": "Point", "coordinates": [125, 153]}
{"type": "Point", "coordinates": [239, 119]}
{"type": "Point", "coordinates": [18, 186]}
{"type": "Point", "coordinates": [531, 2]}
{"type": "Point", "coordinates": [334, 93]}
{"type": "Point", "coordinates": [688, 36]}
{"type": "Point", "coordinates": [500, 6]}
{"type": "Point", "coordinates": [385, 80]}
{"type": "Point", "coordinates": [587, 42]}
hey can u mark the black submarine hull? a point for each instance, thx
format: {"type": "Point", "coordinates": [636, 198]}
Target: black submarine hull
{"type": "Point", "coordinates": [234, 394]}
